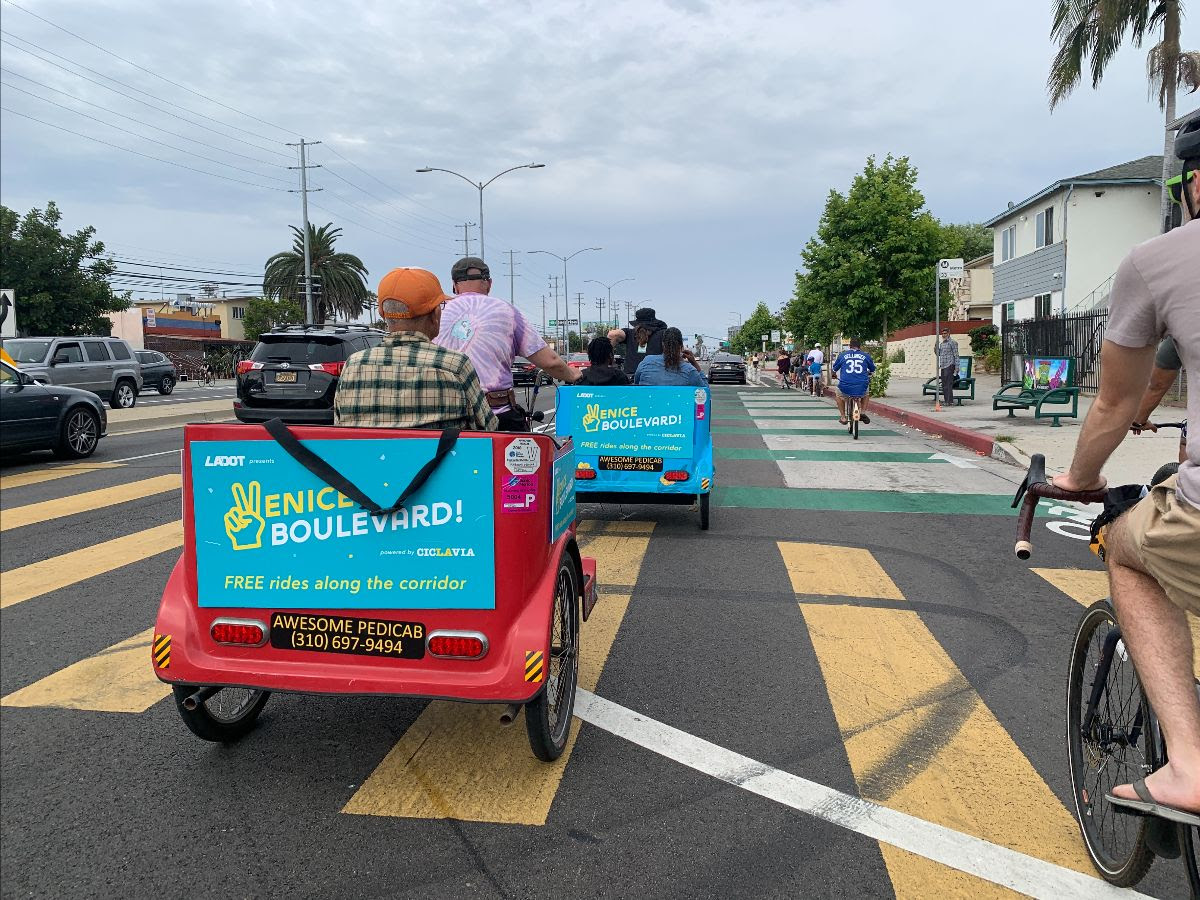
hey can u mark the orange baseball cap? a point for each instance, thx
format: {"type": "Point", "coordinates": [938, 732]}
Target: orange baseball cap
{"type": "Point", "coordinates": [417, 289]}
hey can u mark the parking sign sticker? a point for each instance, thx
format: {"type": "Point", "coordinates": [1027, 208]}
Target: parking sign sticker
{"type": "Point", "coordinates": [522, 456]}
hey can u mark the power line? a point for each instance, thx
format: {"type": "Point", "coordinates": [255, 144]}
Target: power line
{"type": "Point", "coordinates": [148, 71]}
{"type": "Point", "coordinates": [169, 162]}
{"type": "Point", "coordinates": [412, 240]}
{"type": "Point", "coordinates": [397, 225]}
{"type": "Point", "coordinates": [378, 199]}
{"type": "Point", "coordinates": [113, 112]}
{"type": "Point", "coordinates": [449, 219]}
{"type": "Point", "coordinates": [175, 268]}
{"type": "Point", "coordinates": [139, 90]}
{"type": "Point", "coordinates": [171, 253]}
{"type": "Point", "coordinates": [150, 139]}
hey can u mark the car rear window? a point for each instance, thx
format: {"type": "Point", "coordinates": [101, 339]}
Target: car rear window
{"type": "Point", "coordinates": [95, 351]}
{"type": "Point", "coordinates": [27, 351]}
{"type": "Point", "coordinates": [300, 352]}
{"type": "Point", "coordinates": [119, 350]}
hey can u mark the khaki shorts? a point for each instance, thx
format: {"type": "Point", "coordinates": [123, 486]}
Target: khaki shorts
{"type": "Point", "coordinates": [1164, 533]}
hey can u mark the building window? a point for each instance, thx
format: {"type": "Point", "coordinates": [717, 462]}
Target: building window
{"type": "Point", "coordinates": [1044, 227]}
{"type": "Point", "coordinates": [1041, 306]}
{"type": "Point", "coordinates": [1008, 238]}
{"type": "Point", "coordinates": [239, 312]}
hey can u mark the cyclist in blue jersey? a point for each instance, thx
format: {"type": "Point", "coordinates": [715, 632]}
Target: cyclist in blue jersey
{"type": "Point", "coordinates": [854, 368]}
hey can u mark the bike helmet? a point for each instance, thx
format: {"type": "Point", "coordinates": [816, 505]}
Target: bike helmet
{"type": "Point", "coordinates": [1187, 148]}
{"type": "Point", "coordinates": [1187, 140]}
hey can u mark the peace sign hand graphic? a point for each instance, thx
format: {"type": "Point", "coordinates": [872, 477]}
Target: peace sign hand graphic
{"type": "Point", "coordinates": [591, 418]}
{"type": "Point", "coordinates": [244, 523]}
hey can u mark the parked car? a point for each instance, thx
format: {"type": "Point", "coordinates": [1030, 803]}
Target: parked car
{"type": "Point", "coordinates": [158, 372]}
{"type": "Point", "coordinates": [36, 416]}
{"type": "Point", "coordinates": [293, 372]}
{"type": "Point", "coordinates": [526, 373]}
{"type": "Point", "coordinates": [105, 366]}
{"type": "Point", "coordinates": [578, 361]}
{"type": "Point", "coordinates": [727, 367]}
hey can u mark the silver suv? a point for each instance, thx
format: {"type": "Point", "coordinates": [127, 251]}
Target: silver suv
{"type": "Point", "coordinates": [103, 365]}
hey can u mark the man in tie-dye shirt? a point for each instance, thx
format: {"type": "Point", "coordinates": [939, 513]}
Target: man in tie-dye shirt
{"type": "Point", "coordinates": [493, 333]}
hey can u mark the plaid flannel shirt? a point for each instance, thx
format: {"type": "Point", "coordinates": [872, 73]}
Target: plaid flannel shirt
{"type": "Point", "coordinates": [948, 354]}
{"type": "Point", "coordinates": [409, 382]}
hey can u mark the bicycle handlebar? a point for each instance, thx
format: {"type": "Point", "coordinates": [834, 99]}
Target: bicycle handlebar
{"type": "Point", "coordinates": [1034, 487]}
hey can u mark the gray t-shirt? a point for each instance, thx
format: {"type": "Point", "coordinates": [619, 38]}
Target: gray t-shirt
{"type": "Point", "coordinates": [1157, 292]}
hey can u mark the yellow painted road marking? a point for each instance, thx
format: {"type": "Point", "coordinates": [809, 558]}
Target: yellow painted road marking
{"type": "Point", "coordinates": [836, 571]}
{"type": "Point", "coordinates": [86, 502]}
{"type": "Point", "coordinates": [37, 476]}
{"type": "Point", "coordinates": [456, 762]}
{"type": "Point", "coordinates": [1086, 586]}
{"type": "Point", "coordinates": [920, 740]}
{"type": "Point", "coordinates": [62, 571]}
{"type": "Point", "coordinates": [117, 680]}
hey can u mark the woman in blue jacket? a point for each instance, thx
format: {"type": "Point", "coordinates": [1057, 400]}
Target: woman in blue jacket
{"type": "Point", "coordinates": [669, 367]}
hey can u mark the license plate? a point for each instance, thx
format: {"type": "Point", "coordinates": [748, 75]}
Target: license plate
{"type": "Point", "coordinates": [632, 463]}
{"type": "Point", "coordinates": [347, 634]}
{"type": "Point", "coordinates": [281, 377]}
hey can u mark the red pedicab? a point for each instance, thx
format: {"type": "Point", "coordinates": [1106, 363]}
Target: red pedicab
{"type": "Point", "coordinates": [294, 577]}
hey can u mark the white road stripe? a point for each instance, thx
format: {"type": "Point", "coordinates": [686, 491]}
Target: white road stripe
{"type": "Point", "coordinates": [994, 863]}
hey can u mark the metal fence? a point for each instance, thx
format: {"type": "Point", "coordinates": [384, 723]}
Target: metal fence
{"type": "Point", "coordinates": [1078, 335]}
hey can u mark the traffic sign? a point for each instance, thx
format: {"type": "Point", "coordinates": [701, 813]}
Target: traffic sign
{"type": "Point", "coordinates": [950, 268]}
{"type": "Point", "coordinates": [558, 322]}
{"type": "Point", "coordinates": [8, 313]}
{"type": "Point", "coordinates": [775, 335]}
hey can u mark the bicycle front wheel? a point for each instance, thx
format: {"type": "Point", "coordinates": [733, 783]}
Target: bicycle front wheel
{"type": "Point", "coordinates": [1115, 747]}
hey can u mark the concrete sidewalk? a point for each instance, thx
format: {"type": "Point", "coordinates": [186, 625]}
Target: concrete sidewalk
{"type": "Point", "coordinates": [1016, 437]}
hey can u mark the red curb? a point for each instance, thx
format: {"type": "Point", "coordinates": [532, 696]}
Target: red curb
{"type": "Point", "coordinates": [980, 443]}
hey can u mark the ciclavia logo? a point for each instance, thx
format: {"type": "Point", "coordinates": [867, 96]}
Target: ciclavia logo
{"type": "Point", "coordinates": [445, 551]}
{"type": "Point", "coordinates": [226, 461]}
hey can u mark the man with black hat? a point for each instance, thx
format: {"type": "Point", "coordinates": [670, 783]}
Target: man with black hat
{"type": "Point", "coordinates": [643, 338]}
{"type": "Point", "coordinates": [493, 333]}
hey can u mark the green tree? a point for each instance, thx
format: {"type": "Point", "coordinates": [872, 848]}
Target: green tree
{"type": "Point", "coordinates": [265, 313]}
{"type": "Point", "coordinates": [968, 241]}
{"type": "Point", "coordinates": [60, 282]}
{"type": "Point", "coordinates": [341, 277]}
{"type": "Point", "coordinates": [1090, 32]}
{"type": "Point", "coordinates": [749, 336]}
{"type": "Point", "coordinates": [869, 266]}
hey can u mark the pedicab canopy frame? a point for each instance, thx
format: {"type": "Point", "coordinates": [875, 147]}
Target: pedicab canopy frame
{"type": "Point", "coordinates": [289, 582]}
{"type": "Point", "coordinates": [640, 444]}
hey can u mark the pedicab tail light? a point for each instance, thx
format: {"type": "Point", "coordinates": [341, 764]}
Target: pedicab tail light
{"type": "Point", "coordinates": [457, 644]}
{"type": "Point", "coordinates": [238, 632]}
{"type": "Point", "coordinates": [585, 474]}
{"type": "Point", "coordinates": [677, 475]}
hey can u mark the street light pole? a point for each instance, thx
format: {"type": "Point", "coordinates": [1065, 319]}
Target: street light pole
{"type": "Point", "coordinates": [479, 186]}
{"type": "Point", "coordinates": [611, 308]}
{"type": "Point", "coordinates": [566, 293]}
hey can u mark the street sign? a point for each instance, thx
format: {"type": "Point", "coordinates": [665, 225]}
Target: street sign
{"type": "Point", "coordinates": [151, 318]}
{"type": "Point", "coordinates": [950, 268]}
{"type": "Point", "coordinates": [775, 336]}
{"type": "Point", "coordinates": [8, 313]}
{"type": "Point", "coordinates": [560, 322]}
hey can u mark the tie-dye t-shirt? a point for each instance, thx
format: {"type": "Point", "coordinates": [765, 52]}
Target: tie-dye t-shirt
{"type": "Point", "coordinates": [492, 332]}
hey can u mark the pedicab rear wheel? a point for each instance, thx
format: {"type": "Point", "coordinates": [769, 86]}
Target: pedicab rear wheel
{"type": "Point", "coordinates": [548, 715]}
{"type": "Point", "coordinates": [704, 504]}
{"type": "Point", "coordinates": [223, 717]}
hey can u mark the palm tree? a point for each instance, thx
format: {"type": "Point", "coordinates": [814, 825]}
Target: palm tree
{"type": "Point", "coordinates": [1092, 31]}
{"type": "Point", "coordinates": [339, 279]}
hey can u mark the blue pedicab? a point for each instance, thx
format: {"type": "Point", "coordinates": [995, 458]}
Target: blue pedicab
{"type": "Point", "coordinates": [640, 444]}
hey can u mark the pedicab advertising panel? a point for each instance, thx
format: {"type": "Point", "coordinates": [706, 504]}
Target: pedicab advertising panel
{"type": "Point", "coordinates": [640, 444]}
{"type": "Point", "coordinates": [296, 576]}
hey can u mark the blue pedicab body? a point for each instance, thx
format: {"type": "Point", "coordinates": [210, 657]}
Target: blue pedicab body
{"type": "Point", "coordinates": [640, 444]}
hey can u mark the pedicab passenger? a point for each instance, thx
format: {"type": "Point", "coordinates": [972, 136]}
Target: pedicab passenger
{"type": "Point", "coordinates": [669, 367]}
{"type": "Point", "coordinates": [602, 372]}
{"type": "Point", "coordinates": [407, 381]}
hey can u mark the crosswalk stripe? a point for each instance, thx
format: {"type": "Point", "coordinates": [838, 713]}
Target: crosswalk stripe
{"type": "Point", "coordinates": [456, 762]}
{"type": "Point", "coordinates": [58, 572]}
{"type": "Point", "coordinates": [117, 680]}
{"type": "Point", "coordinates": [836, 571]}
{"type": "Point", "coordinates": [86, 502]}
{"type": "Point", "coordinates": [919, 738]}
{"type": "Point", "coordinates": [38, 476]}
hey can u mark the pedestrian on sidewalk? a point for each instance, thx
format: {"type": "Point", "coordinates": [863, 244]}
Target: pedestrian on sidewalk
{"type": "Point", "coordinates": [947, 358]}
{"type": "Point", "coordinates": [784, 366]}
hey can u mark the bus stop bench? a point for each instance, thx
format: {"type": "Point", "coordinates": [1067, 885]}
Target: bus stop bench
{"type": "Point", "coordinates": [1016, 396]}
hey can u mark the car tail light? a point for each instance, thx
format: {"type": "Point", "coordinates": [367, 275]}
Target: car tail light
{"type": "Point", "coordinates": [247, 365]}
{"type": "Point", "coordinates": [585, 474]}
{"type": "Point", "coordinates": [333, 368]}
{"type": "Point", "coordinates": [676, 475]}
{"type": "Point", "coordinates": [239, 632]}
{"type": "Point", "coordinates": [457, 644]}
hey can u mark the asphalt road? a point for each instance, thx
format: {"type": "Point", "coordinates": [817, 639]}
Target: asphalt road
{"type": "Point", "coordinates": [853, 626]}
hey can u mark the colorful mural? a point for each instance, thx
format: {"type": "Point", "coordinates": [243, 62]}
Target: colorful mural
{"type": "Point", "coordinates": [1043, 374]}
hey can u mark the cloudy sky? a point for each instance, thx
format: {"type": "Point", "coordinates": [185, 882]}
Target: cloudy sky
{"type": "Point", "coordinates": [693, 141]}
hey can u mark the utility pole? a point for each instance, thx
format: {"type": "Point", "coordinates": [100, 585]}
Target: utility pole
{"type": "Point", "coordinates": [310, 310]}
{"type": "Point", "coordinates": [543, 315]}
{"type": "Point", "coordinates": [579, 313]}
{"type": "Point", "coordinates": [512, 279]}
{"type": "Point", "coordinates": [600, 311]}
{"type": "Point", "coordinates": [465, 240]}
{"type": "Point", "coordinates": [554, 288]}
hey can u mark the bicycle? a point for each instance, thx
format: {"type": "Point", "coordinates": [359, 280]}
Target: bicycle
{"type": "Point", "coordinates": [853, 414]}
{"type": "Point", "coordinates": [1113, 736]}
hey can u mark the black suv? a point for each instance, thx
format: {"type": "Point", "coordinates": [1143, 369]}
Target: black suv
{"type": "Point", "coordinates": [293, 372]}
{"type": "Point", "coordinates": [726, 367]}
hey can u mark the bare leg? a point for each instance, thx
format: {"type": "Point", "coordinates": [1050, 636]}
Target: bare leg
{"type": "Point", "coordinates": [1157, 635]}
{"type": "Point", "coordinates": [841, 402]}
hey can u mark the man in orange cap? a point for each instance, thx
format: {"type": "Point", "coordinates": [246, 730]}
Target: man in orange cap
{"type": "Point", "coordinates": [408, 381]}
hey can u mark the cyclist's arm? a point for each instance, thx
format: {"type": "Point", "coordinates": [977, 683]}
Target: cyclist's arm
{"type": "Point", "coordinates": [617, 335]}
{"type": "Point", "coordinates": [1160, 383]}
{"type": "Point", "coordinates": [554, 365]}
{"type": "Point", "coordinates": [1123, 379]}
{"type": "Point", "coordinates": [837, 364]}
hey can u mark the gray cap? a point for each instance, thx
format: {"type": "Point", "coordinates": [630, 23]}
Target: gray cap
{"type": "Point", "coordinates": [470, 268]}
